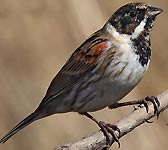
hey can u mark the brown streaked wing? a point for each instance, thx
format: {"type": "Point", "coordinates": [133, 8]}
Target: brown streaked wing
{"type": "Point", "coordinates": [82, 61]}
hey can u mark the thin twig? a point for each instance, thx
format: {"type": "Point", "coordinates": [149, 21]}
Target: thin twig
{"type": "Point", "coordinates": [97, 141]}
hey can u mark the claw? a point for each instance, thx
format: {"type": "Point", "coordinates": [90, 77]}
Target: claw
{"type": "Point", "coordinates": [106, 147]}
{"type": "Point", "coordinates": [158, 105]}
{"type": "Point", "coordinates": [154, 100]}
{"type": "Point", "coordinates": [148, 121]}
{"type": "Point", "coordinates": [155, 103]}
{"type": "Point", "coordinates": [109, 132]}
{"type": "Point", "coordinates": [158, 114]}
{"type": "Point", "coordinates": [114, 127]}
{"type": "Point", "coordinates": [144, 102]}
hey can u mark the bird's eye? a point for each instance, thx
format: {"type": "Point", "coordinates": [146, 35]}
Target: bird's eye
{"type": "Point", "coordinates": [133, 14]}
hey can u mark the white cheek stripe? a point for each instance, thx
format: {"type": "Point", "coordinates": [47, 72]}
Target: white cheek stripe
{"type": "Point", "coordinates": [124, 37]}
{"type": "Point", "coordinates": [139, 29]}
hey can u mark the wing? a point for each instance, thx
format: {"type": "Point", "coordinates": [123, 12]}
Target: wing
{"type": "Point", "coordinates": [83, 60]}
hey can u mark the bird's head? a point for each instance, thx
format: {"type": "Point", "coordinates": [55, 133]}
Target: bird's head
{"type": "Point", "coordinates": [133, 18]}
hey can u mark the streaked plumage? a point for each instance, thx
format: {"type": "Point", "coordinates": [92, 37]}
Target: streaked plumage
{"type": "Point", "coordinates": [105, 68]}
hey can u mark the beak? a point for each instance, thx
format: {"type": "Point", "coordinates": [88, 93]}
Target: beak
{"type": "Point", "coordinates": [154, 11]}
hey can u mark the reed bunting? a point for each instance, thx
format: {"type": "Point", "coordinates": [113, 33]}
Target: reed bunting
{"type": "Point", "coordinates": [104, 69]}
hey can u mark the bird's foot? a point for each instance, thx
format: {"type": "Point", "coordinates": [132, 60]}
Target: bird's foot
{"type": "Point", "coordinates": [109, 133]}
{"type": "Point", "coordinates": [154, 101]}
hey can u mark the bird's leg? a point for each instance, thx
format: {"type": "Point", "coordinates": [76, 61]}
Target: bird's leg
{"type": "Point", "coordinates": [143, 101]}
{"type": "Point", "coordinates": [107, 129]}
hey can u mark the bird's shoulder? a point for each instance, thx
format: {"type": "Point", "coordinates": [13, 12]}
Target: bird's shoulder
{"type": "Point", "coordinates": [82, 61]}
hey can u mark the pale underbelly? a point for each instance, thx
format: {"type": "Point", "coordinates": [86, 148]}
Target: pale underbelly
{"type": "Point", "coordinates": [106, 95]}
{"type": "Point", "coordinates": [111, 91]}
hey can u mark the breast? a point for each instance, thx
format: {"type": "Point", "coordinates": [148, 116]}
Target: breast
{"type": "Point", "coordinates": [122, 75]}
{"type": "Point", "coordinates": [112, 89]}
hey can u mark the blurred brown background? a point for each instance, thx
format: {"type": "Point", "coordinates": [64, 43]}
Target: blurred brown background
{"type": "Point", "coordinates": [36, 39]}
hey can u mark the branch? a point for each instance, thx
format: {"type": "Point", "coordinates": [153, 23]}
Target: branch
{"type": "Point", "coordinates": [127, 124]}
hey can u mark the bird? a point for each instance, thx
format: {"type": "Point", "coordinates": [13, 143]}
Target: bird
{"type": "Point", "coordinates": [102, 70]}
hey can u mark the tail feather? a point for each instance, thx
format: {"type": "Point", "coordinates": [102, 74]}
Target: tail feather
{"type": "Point", "coordinates": [28, 120]}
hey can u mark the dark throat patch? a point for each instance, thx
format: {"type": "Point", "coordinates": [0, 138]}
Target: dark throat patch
{"type": "Point", "coordinates": [142, 47]}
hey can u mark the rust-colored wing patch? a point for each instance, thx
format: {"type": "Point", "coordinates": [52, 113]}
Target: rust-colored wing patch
{"type": "Point", "coordinates": [83, 60]}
